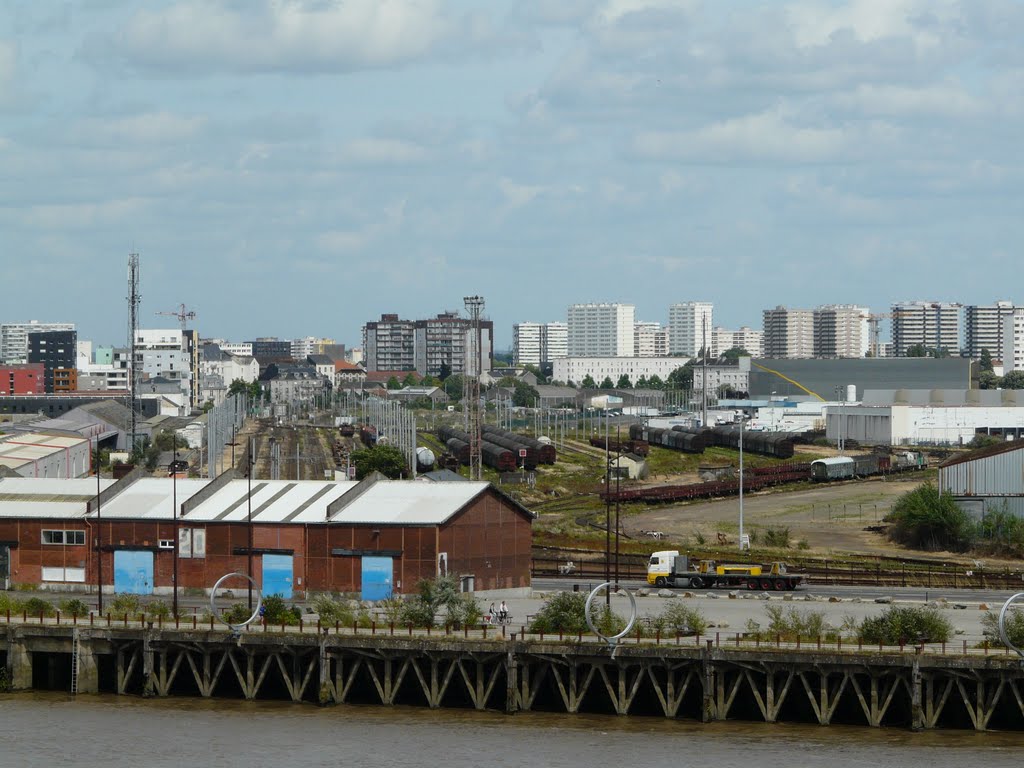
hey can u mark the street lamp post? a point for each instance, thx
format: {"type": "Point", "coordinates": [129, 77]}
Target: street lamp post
{"type": "Point", "coordinates": [99, 537]}
{"type": "Point", "coordinates": [250, 460]}
{"type": "Point", "coordinates": [741, 482]}
{"type": "Point", "coordinates": [174, 513]}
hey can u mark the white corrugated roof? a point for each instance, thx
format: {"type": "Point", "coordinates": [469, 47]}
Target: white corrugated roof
{"type": "Point", "coordinates": [409, 503]}
{"type": "Point", "coordinates": [47, 497]}
{"type": "Point", "coordinates": [833, 461]}
{"type": "Point", "coordinates": [151, 498]}
{"type": "Point", "coordinates": [273, 501]}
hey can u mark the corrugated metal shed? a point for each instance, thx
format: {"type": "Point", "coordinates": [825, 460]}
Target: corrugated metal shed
{"type": "Point", "coordinates": [273, 501]}
{"type": "Point", "coordinates": [994, 471]}
{"type": "Point", "coordinates": [150, 499]}
{"type": "Point", "coordinates": [409, 503]}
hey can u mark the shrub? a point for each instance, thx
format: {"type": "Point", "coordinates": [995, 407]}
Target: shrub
{"type": "Point", "coordinates": [125, 603]}
{"type": "Point", "coordinates": [391, 607]}
{"type": "Point", "coordinates": [1014, 627]}
{"type": "Point", "coordinates": [777, 537]}
{"type": "Point", "coordinates": [682, 619]}
{"type": "Point", "coordinates": [36, 605]}
{"type": "Point", "coordinates": [158, 609]}
{"type": "Point", "coordinates": [906, 624]}
{"type": "Point", "coordinates": [8, 603]}
{"type": "Point", "coordinates": [333, 611]}
{"type": "Point", "coordinates": [276, 612]}
{"type": "Point", "coordinates": [925, 519]}
{"type": "Point", "coordinates": [74, 607]}
{"type": "Point", "coordinates": [1002, 531]}
{"type": "Point", "coordinates": [561, 612]}
{"type": "Point", "coordinates": [790, 625]}
{"type": "Point", "coordinates": [437, 596]}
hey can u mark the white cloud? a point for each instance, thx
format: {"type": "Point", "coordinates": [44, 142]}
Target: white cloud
{"type": "Point", "coordinates": [613, 11]}
{"type": "Point", "coordinates": [381, 151]}
{"type": "Point", "coordinates": [817, 24]}
{"type": "Point", "coordinates": [948, 99]}
{"type": "Point", "coordinates": [288, 35]}
{"type": "Point", "coordinates": [767, 135]}
{"type": "Point", "coordinates": [518, 195]}
{"type": "Point", "coordinates": [146, 128]}
{"type": "Point", "coordinates": [76, 215]}
{"type": "Point", "coordinates": [341, 240]}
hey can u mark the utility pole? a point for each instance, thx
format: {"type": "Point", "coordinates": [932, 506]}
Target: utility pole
{"type": "Point", "coordinates": [134, 299]}
{"type": "Point", "coordinates": [474, 305]}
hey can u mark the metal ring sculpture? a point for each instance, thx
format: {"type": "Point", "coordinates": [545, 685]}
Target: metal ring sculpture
{"type": "Point", "coordinates": [255, 613]}
{"type": "Point", "coordinates": [613, 639]}
{"type": "Point", "coordinates": [1002, 624]}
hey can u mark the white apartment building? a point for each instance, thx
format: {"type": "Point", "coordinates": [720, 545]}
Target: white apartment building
{"type": "Point", "coordinates": [650, 339]}
{"type": "Point", "coordinates": [689, 327]}
{"type": "Point", "coordinates": [539, 343]}
{"type": "Point", "coordinates": [788, 333]}
{"type": "Point", "coordinates": [306, 346]}
{"type": "Point", "coordinates": [576, 369]}
{"type": "Point", "coordinates": [170, 353]}
{"type": "Point", "coordinates": [841, 330]}
{"type": "Point", "coordinates": [14, 338]}
{"type": "Point", "coordinates": [1013, 340]}
{"type": "Point", "coordinates": [933, 324]}
{"type": "Point", "coordinates": [746, 338]}
{"type": "Point", "coordinates": [601, 330]}
{"type": "Point", "coordinates": [243, 348]}
{"type": "Point", "coordinates": [983, 328]}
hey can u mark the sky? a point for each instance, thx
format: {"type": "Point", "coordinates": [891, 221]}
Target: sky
{"type": "Point", "coordinates": [298, 167]}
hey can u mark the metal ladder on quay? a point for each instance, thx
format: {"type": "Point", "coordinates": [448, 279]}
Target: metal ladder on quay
{"type": "Point", "coordinates": [74, 661]}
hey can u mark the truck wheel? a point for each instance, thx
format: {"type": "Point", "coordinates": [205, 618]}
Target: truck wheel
{"type": "Point", "coordinates": [697, 582]}
{"type": "Point", "coordinates": [660, 581]}
{"type": "Point", "coordinates": [766, 584]}
{"type": "Point", "coordinates": [780, 585]}
{"type": "Point", "coordinates": [752, 584]}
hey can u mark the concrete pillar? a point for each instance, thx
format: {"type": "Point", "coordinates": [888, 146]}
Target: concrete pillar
{"type": "Point", "coordinates": [149, 686]}
{"type": "Point", "coordinates": [916, 710]}
{"type": "Point", "coordinates": [709, 711]}
{"type": "Point", "coordinates": [19, 666]}
{"type": "Point", "coordinates": [88, 668]}
{"type": "Point", "coordinates": [326, 696]}
{"type": "Point", "coordinates": [511, 682]}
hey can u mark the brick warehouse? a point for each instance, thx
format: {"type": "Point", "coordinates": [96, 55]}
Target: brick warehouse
{"type": "Point", "coordinates": [370, 538]}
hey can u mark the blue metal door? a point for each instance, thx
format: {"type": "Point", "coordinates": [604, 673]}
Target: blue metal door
{"type": "Point", "coordinates": [376, 578]}
{"type": "Point", "coordinates": [277, 575]}
{"type": "Point", "coordinates": [133, 572]}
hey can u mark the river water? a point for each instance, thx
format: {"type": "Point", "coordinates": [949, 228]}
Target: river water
{"type": "Point", "coordinates": [117, 732]}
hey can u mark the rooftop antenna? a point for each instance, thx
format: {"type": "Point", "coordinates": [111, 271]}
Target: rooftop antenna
{"type": "Point", "coordinates": [134, 299]}
{"type": "Point", "coordinates": [474, 305]}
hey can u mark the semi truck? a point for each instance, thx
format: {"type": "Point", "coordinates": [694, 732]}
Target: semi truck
{"type": "Point", "coordinates": [671, 569]}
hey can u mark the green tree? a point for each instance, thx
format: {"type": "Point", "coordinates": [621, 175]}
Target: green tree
{"type": "Point", "coordinates": [238, 387]}
{"type": "Point", "coordinates": [985, 361]}
{"type": "Point", "coordinates": [386, 459]}
{"type": "Point", "coordinates": [1013, 380]}
{"type": "Point", "coordinates": [624, 382]}
{"type": "Point", "coordinates": [440, 600]}
{"type": "Point", "coordinates": [917, 350]}
{"type": "Point", "coordinates": [445, 372]}
{"type": "Point", "coordinates": [641, 383]}
{"type": "Point", "coordinates": [988, 380]}
{"type": "Point", "coordinates": [681, 377]}
{"type": "Point", "coordinates": [588, 382]}
{"type": "Point", "coordinates": [524, 395]}
{"type": "Point", "coordinates": [453, 386]}
{"type": "Point", "coordinates": [410, 380]}
{"type": "Point", "coordinates": [607, 383]}
{"type": "Point", "coordinates": [735, 353]}
{"type": "Point", "coordinates": [393, 383]}
{"type": "Point", "coordinates": [655, 382]}
{"type": "Point", "coordinates": [925, 519]}
{"type": "Point", "coordinates": [429, 381]}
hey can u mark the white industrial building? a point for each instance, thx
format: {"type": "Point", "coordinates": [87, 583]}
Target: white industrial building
{"type": "Point", "coordinates": [927, 417]}
{"type": "Point", "coordinates": [689, 327]}
{"type": "Point", "coordinates": [575, 369]}
{"type": "Point", "coordinates": [45, 454]}
{"type": "Point", "coordinates": [734, 375]}
{"type": "Point", "coordinates": [604, 330]}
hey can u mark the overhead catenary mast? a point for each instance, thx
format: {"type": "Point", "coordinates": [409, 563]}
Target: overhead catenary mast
{"type": "Point", "coordinates": [474, 306]}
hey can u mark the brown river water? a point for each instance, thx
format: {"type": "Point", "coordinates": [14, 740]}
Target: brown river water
{"type": "Point", "coordinates": [118, 732]}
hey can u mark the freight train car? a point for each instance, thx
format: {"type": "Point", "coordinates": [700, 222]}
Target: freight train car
{"type": "Point", "coordinates": [545, 451]}
{"type": "Point", "coordinates": [679, 440]}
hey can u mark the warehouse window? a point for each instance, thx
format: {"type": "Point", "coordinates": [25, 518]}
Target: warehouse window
{"type": "Point", "coordinates": [63, 537]}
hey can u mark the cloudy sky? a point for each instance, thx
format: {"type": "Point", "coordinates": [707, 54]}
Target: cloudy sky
{"type": "Point", "coordinates": [297, 167]}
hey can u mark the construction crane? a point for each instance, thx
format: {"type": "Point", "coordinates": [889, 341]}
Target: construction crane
{"type": "Point", "coordinates": [183, 314]}
{"type": "Point", "coordinates": [874, 332]}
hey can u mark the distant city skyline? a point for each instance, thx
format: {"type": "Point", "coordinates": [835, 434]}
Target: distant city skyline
{"type": "Point", "coordinates": [299, 168]}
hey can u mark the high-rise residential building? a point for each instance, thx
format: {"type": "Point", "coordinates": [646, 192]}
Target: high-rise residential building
{"type": "Point", "coordinates": [841, 330]}
{"type": "Point", "coordinates": [689, 327]}
{"type": "Point", "coordinates": [601, 330]}
{"type": "Point", "coordinates": [442, 342]}
{"type": "Point", "coordinates": [173, 354]}
{"type": "Point", "coordinates": [1012, 348]}
{"type": "Point", "coordinates": [932, 325]}
{"type": "Point", "coordinates": [388, 344]}
{"type": "Point", "coordinates": [650, 339]}
{"type": "Point", "coordinates": [14, 338]}
{"type": "Point", "coordinates": [57, 351]}
{"type": "Point", "coordinates": [529, 343]}
{"type": "Point", "coordinates": [558, 341]}
{"type": "Point", "coordinates": [983, 328]}
{"type": "Point", "coordinates": [748, 339]}
{"type": "Point", "coordinates": [309, 345]}
{"type": "Point", "coordinates": [788, 333]}
{"type": "Point", "coordinates": [268, 350]}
